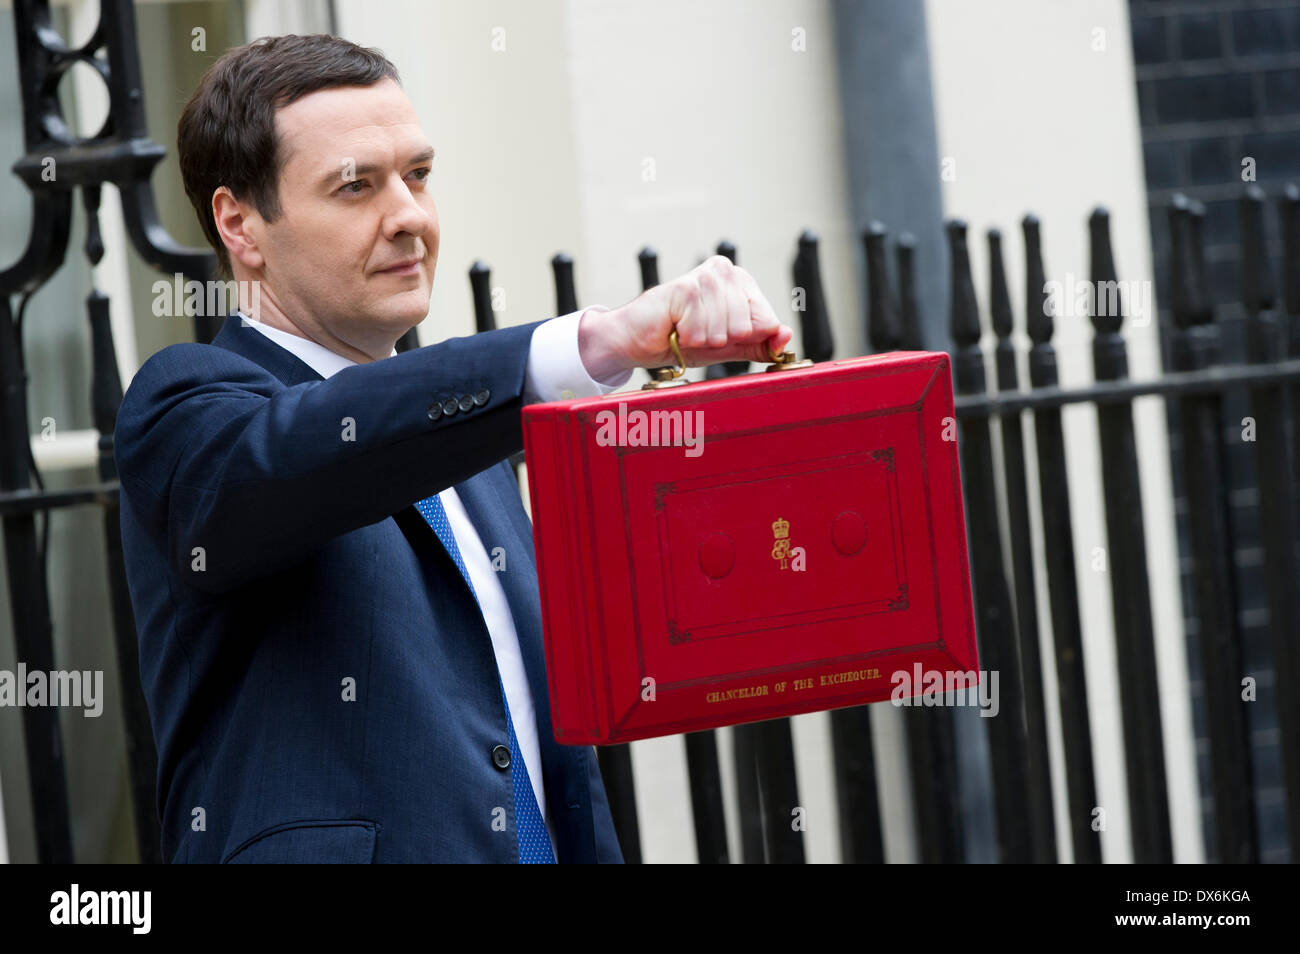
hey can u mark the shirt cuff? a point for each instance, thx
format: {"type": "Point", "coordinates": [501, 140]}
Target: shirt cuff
{"type": "Point", "coordinates": [555, 369]}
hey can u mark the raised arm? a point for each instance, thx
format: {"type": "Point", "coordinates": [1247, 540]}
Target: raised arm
{"type": "Point", "coordinates": [219, 454]}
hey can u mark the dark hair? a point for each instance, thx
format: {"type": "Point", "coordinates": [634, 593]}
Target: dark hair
{"type": "Point", "coordinates": [226, 134]}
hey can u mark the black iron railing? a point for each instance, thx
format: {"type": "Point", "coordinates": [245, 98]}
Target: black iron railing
{"type": "Point", "coordinates": [57, 164]}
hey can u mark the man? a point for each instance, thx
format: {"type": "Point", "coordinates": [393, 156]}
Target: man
{"type": "Point", "coordinates": [336, 669]}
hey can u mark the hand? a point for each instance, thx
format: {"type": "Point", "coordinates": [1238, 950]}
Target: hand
{"type": "Point", "coordinates": [717, 308]}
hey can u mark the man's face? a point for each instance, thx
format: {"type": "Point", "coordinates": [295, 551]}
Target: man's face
{"type": "Point", "coordinates": [352, 254]}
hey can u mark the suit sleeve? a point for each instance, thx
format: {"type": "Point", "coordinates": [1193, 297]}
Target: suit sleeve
{"type": "Point", "coordinates": [246, 476]}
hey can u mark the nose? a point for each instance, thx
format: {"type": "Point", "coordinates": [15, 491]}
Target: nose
{"type": "Point", "coordinates": [406, 214]}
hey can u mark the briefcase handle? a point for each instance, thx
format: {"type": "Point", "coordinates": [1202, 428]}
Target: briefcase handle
{"type": "Point", "coordinates": [672, 376]}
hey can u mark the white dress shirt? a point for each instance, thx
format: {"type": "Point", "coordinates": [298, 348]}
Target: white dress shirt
{"type": "Point", "coordinates": [555, 372]}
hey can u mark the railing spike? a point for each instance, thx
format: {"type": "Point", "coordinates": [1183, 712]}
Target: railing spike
{"type": "Point", "coordinates": [882, 312]}
{"type": "Point", "coordinates": [1038, 302]}
{"type": "Point", "coordinates": [965, 311]}
{"type": "Point", "coordinates": [999, 294]}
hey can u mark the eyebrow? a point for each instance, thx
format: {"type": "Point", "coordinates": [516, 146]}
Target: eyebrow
{"type": "Point", "coordinates": [424, 155]}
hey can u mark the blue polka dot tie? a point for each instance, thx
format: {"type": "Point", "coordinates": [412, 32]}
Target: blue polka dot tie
{"type": "Point", "coordinates": [534, 842]}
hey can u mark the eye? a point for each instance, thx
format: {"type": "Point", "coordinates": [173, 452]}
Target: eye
{"type": "Point", "coordinates": [423, 173]}
{"type": "Point", "coordinates": [354, 187]}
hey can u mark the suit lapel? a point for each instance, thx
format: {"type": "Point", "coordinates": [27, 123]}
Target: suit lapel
{"type": "Point", "coordinates": [245, 340]}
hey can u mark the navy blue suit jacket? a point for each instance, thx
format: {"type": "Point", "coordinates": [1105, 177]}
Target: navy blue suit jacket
{"type": "Point", "coordinates": [320, 681]}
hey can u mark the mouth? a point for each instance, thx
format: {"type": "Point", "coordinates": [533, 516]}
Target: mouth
{"type": "Point", "coordinates": [403, 269]}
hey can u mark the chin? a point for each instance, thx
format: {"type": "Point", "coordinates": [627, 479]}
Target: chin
{"type": "Point", "coordinates": [407, 310]}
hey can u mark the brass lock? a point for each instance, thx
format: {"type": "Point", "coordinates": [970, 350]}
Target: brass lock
{"type": "Point", "coordinates": [671, 377]}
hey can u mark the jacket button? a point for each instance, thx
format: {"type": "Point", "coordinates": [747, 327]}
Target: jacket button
{"type": "Point", "coordinates": [482, 397]}
{"type": "Point", "coordinates": [466, 402]}
{"type": "Point", "coordinates": [450, 407]}
{"type": "Point", "coordinates": [501, 757]}
{"type": "Point", "coordinates": [435, 411]}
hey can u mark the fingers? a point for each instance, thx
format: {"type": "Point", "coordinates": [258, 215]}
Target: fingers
{"type": "Point", "coordinates": [732, 317]}
{"type": "Point", "coordinates": [713, 294]}
{"type": "Point", "coordinates": [748, 314]}
{"type": "Point", "coordinates": [761, 312]}
{"type": "Point", "coordinates": [718, 307]}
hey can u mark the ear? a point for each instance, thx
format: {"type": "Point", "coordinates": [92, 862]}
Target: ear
{"type": "Point", "coordinates": [238, 225]}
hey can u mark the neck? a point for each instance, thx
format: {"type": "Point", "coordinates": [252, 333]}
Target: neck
{"type": "Point", "coordinates": [262, 305]}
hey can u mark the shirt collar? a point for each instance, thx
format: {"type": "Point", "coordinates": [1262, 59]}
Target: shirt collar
{"type": "Point", "coordinates": [316, 356]}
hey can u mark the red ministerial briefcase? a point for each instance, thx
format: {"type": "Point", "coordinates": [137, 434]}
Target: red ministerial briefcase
{"type": "Point", "coordinates": [752, 547]}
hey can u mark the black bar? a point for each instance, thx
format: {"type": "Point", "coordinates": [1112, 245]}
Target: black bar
{"type": "Point", "coordinates": [1290, 215]}
{"type": "Point", "coordinates": [480, 284]}
{"type": "Point", "coordinates": [30, 608]}
{"type": "Point", "coordinates": [884, 325]}
{"type": "Point", "coordinates": [1039, 778]}
{"type": "Point", "coordinates": [408, 342]}
{"type": "Point", "coordinates": [1058, 555]}
{"type": "Point", "coordinates": [861, 838]}
{"type": "Point", "coordinates": [784, 819]}
{"type": "Point", "coordinates": [744, 752]}
{"type": "Point", "coordinates": [1277, 504]}
{"type": "Point", "coordinates": [706, 798]}
{"type": "Point", "coordinates": [142, 759]}
{"type": "Point", "coordinates": [616, 772]}
{"type": "Point", "coordinates": [1135, 653]}
{"type": "Point", "coordinates": [566, 296]}
{"type": "Point", "coordinates": [1172, 384]}
{"type": "Point", "coordinates": [814, 320]}
{"type": "Point", "coordinates": [905, 251]}
{"type": "Point", "coordinates": [995, 623]}
{"type": "Point", "coordinates": [30, 501]}
{"type": "Point", "coordinates": [1195, 344]}
{"type": "Point", "coordinates": [932, 757]}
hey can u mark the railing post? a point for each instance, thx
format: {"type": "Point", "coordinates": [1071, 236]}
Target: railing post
{"type": "Point", "coordinates": [29, 607]}
{"type": "Point", "coordinates": [931, 753]}
{"type": "Point", "coordinates": [995, 622]}
{"type": "Point", "coordinates": [905, 252]}
{"type": "Point", "coordinates": [480, 286]}
{"type": "Point", "coordinates": [1058, 554]}
{"type": "Point", "coordinates": [814, 321]}
{"type": "Point", "coordinates": [1135, 652]}
{"type": "Point", "coordinates": [121, 153]}
{"type": "Point", "coordinates": [1290, 213]}
{"type": "Point", "coordinates": [1039, 780]}
{"type": "Point", "coordinates": [884, 326]}
{"type": "Point", "coordinates": [105, 400]}
{"type": "Point", "coordinates": [1195, 347]}
{"type": "Point", "coordinates": [1277, 505]}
